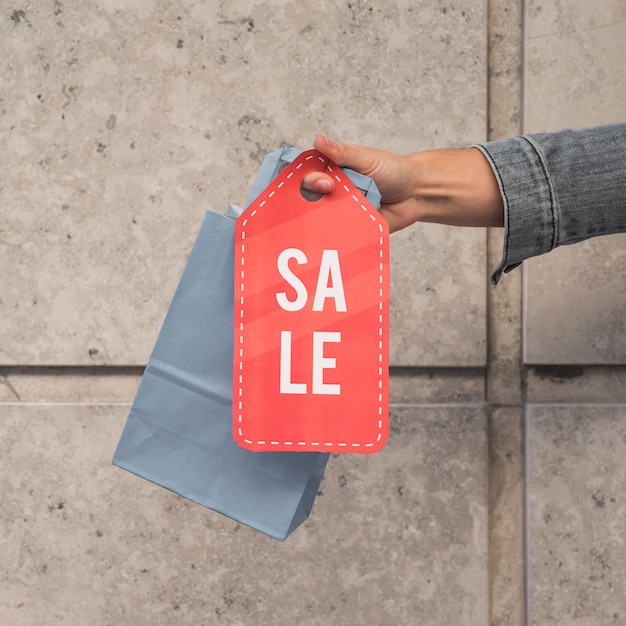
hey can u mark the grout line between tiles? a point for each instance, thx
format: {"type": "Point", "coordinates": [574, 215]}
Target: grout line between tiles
{"type": "Point", "coordinates": [524, 347]}
{"type": "Point", "coordinates": [425, 405]}
{"type": "Point", "coordinates": [524, 129]}
{"type": "Point", "coordinates": [395, 405]}
{"type": "Point", "coordinates": [439, 405]}
{"type": "Point", "coordinates": [524, 77]}
{"type": "Point", "coordinates": [574, 404]}
{"type": "Point", "coordinates": [44, 403]}
{"type": "Point", "coordinates": [526, 514]}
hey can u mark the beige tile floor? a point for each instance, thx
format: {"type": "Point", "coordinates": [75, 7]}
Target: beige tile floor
{"type": "Point", "coordinates": [575, 65]}
{"type": "Point", "coordinates": [125, 124]}
{"type": "Point", "coordinates": [577, 521]}
{"type": "Point", "coordinates": [393, 535]}
{"type": "Point", "coordinates": [497, 500]}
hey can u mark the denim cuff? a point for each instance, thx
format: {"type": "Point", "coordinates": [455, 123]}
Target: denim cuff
{"type": "Point", "coordinates": [530, 215]}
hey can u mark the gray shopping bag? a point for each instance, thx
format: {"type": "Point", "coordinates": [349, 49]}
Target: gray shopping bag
{"type": "Point", "coordinates": [179, 431]}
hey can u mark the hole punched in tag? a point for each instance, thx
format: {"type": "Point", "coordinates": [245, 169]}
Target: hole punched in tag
{"type": "Point", "coordinates": [308, 195]}
{"type": "Point", "coordinates": [311, 195]}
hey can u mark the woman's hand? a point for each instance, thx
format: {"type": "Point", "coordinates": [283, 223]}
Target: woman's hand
{"type": "Point", "coordinates": [456, 187]}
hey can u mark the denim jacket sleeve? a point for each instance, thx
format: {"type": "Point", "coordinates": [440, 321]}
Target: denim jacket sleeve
{"type": "Point", "coordinates": [558, 188]}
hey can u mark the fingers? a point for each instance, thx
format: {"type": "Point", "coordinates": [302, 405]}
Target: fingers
{"type": "Point", "coordinates": [345, 155]}
{"type": "Point", "coordinates": [359, 158]}
{"type": "Point", "coordinates": [319, 182]}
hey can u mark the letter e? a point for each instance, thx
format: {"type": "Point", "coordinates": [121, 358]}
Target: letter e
{"type": "Point", "coordinates": [320, 363]}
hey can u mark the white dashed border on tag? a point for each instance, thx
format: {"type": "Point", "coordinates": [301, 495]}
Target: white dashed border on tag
{"type": "Point", "coordinates": [238, 400]}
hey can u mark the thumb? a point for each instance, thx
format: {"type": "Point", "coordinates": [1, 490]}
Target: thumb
{"type": "Point", "coordinates": [331, 149]}
{"type": "Point", "coordinates": [358, 158]}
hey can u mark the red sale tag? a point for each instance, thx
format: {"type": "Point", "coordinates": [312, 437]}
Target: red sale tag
{"type": "Point", "coordinates": [311, 318]}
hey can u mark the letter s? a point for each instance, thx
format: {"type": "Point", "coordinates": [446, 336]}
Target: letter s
{"type": "Point", "coordinates": [292, 279]}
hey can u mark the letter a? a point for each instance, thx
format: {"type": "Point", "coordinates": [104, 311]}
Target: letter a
{"type": "Point", "coordinates": [329, 268]}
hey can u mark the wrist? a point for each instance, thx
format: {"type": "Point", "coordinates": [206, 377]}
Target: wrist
{"type": "Point", "coordinates": [455, 187]}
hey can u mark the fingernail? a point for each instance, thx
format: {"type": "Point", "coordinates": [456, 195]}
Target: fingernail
{"type": "Point", "coordinates": [324, 185]}
{"type": "Point", "coordinates": [327, 141]}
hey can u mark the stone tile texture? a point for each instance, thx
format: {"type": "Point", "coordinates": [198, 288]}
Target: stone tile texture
{"type": "Point", "coordinates": [576, 384]}
{"type": "Point", "coordinates": [576, 297]}
{"type": "Point", "coordinates": [98, 385]}
{"type": "Point", "coordinates": [392, 536]}
{"type": "Point", "coordinates": [122, 122]}
{"type": "Point", "coordinates": [575, 78]}
{"type": "Point", "coordinates": [576, 515]}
